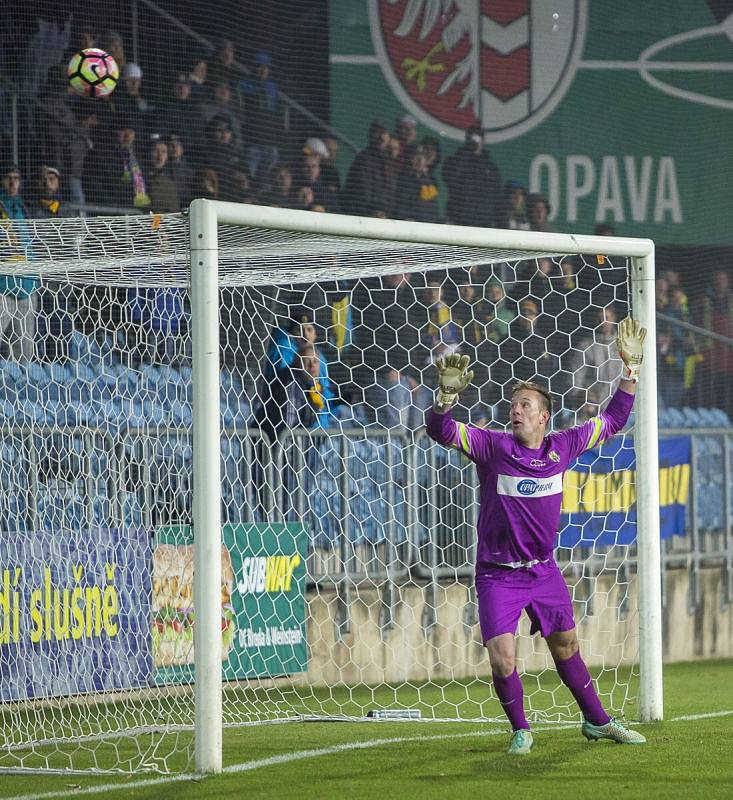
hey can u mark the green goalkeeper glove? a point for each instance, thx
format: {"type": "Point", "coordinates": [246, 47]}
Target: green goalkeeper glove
{"type": "Point", "coordinates": [452, 378]}
{"type": "Point", "coordinates": [630, 343]}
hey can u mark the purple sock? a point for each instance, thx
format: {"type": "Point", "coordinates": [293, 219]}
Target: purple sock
{"type": "Point", "coordinates": [574, 674]}
{"type": "Point", "coordinates": [511, 696]}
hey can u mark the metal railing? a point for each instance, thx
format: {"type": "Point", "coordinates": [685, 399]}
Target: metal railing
{"type": "Point", "coordinates": [380, 507]}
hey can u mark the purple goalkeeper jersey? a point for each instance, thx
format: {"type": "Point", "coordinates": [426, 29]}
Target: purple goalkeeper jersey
{"type": "Point", "coordinates": [521, 488]}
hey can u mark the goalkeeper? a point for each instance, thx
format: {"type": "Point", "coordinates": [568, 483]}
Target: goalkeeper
{"type": "Point", "coordinates": [520, 475]}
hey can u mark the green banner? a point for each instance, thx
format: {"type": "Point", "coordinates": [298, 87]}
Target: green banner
{"type": "Point", "coordinates": [262, 599]}
{"type": "Point", "coordinates": [620, 112]}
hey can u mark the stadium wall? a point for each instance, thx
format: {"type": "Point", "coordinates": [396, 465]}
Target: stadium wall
{"type": "Point", "coordinates": [452, 649]}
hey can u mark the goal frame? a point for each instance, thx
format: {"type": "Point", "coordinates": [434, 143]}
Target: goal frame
{"type": "Point", "coordinates": [204, 219]}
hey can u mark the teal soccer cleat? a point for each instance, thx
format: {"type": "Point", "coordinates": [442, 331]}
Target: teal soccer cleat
{"type": "Point", "coordinates": [521, 743]}
{"type": "Point", "coordinates": [612, 730]}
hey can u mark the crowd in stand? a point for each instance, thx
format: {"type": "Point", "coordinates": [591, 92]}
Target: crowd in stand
{"type": "Point", "coordinates": [216, 136]}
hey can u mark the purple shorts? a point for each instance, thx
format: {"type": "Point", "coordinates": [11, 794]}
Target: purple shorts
{"type": "Point", "coordinates": [503, 593]}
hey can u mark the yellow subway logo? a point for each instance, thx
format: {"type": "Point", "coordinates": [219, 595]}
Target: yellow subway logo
{"type": "Point", "coordinates": [269, 574]}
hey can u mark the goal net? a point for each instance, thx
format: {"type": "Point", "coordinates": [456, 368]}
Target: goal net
{"type": "Point", "coordinates": [337, 574]}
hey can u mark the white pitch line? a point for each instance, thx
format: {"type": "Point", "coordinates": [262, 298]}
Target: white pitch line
{"type": "Point", "coordinates": [300, 755]}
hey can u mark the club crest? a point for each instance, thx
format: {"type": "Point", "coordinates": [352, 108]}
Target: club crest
{"type": "Point", "coordinates": [554, 456]}
{"type": "Point", "coordinates": [456, 63]}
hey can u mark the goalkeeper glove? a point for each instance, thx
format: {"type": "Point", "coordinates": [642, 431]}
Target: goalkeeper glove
{"type": "Point", "coordinates": [630, 344]}
{"type": "Point", "coordinates": [452, 378]}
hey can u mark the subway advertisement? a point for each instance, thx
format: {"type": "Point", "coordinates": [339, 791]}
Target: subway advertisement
{"type": "Point", "coordinates": [100, 610]}
{"type": "Point", "coordinates": [262, 602]}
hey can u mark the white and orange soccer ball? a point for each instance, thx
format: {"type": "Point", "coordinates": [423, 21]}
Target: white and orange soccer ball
{"type": "Point", "coordinates": [93, 73]}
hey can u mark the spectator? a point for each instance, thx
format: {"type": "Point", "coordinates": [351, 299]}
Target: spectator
{"type": "Point", "coordinates": [294, 397]}
{"type": "Point", "coordinates": [122, 181]}
{"type": "Point", "coordinates": [80, 150]}
{"type": "Point", "coordinates": [474, 184]}
{"type": "Point", "coordinates": [281, 193]}
{"type": "Point", "coordinates": [58, 124]}
{"type": "Point", "coordinates": [112, 43]}
{"type": "Point", "coordinates": [224, 68]}
{"type": "Point", "coordinates": [329, 170]}
{"type": "Point", "coordinates": [310, 176]}
{"type": "Point", "coordinates": [671, 357]}
{"type": "Point", "coordinates": [49, 201]}
{"type": "Point", "coordinates": [392, 171]}
{"type": "Point", "coordinates": [538, 213]}
{"type": "Point", "coordinates": [179, 169]}
{"type": "Point", "coordinates": [181, 115]}
{"type": "Point", "coordinates": [406, 135]}
{"type": "Point", "coordinates": [431, 148]}
{"type": "Point", "coordinates": [285, 341]}
{"type": "Point", "coordinates": [366, 189]}
{"type": "Point", "coordinates": [417, 191]}
{"type": "Point", "coordinates": [161, 187]}
{"type": "Point", "coordinates": [219, 151]}
{"type": "Point", "coordinates": [197, 78]}
{"type": "Point", "coordinates": [717, 316]}
{"type": "Point", "coordinates": [526, 348]}
{"type": "Point", "coordinates": [237, 186]}
{"type": "Point", "coordinates": [595, 363]}
{"type": "Point", "coordinates": [219, 105]}
{"type": "Point", "coordinates": [18, 295]}
{"type": "Point", "coordinates": [515, 203]}
{"type": "Point", "coordinates": [439, 335]}
{"type": "Point", "coordinates": [129, 103]}
{"type": "Point", "coordinates": [262, 103]}
{"type": "Point", "coordinates": [502, 309]}
{"type": "Point", "coordinates": [207, 184]}
{"type": "Point", "coordinates": [397, 401]}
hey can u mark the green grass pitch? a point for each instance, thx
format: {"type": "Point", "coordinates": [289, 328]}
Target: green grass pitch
{"type": "Point", "coordinates": [684, 758]}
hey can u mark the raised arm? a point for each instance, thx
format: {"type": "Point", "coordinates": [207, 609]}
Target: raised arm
{"type": "Point", "coordinates": [630, 345]}
{"type": "Point", "coordinates": [453, 378]}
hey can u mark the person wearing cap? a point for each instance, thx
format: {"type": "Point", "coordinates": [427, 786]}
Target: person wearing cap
{"type": "Point", "coordinates": [128, 100]}
{"type": "Point", "coordinates": [18, 294]}
{"type": "Point", "coordinates": [49, 203]}
{"type": "Point", "coordinates": [474, 184]}
{"type": "Point", "coordinates": [264, 124]}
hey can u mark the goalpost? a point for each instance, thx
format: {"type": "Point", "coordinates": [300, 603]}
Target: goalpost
{"type": "Point", "coordinates": [333, 556]}
{"type": "Point", "coordinates": [205, 217]}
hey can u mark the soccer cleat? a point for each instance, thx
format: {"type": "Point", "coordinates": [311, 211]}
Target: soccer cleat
{"type": "Point", "coordinates": [612, 730]}
{"type": "Point", "coordinates": [521, 743]}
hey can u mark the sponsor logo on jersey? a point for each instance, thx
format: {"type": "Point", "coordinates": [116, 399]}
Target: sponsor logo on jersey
{"type": "Point", "coordinates": [535, 462]}
{"type": "Point", "coordinates": [524, 486]}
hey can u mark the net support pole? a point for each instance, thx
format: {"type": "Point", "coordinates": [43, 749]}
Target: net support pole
{"type": "Point", "coordinates": [647, 500]}
{"type": "Point", "coordinates": [206, 485]}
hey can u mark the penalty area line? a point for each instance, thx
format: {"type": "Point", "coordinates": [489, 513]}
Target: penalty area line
{"type": "Point", "coordinates": [301, 755]}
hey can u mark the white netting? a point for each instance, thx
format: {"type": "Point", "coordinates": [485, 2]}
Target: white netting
{"type": "Point", "coordinates": [348, 536]}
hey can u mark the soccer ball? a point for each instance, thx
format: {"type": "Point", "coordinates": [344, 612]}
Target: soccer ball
{"type": "Point", "coordinates": [93, 73]}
